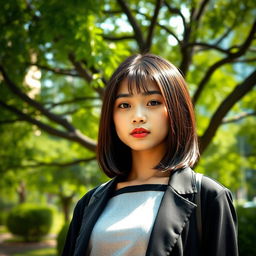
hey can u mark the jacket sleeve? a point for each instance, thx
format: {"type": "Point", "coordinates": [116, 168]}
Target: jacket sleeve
{"type": "Point", "coordinates": [220, 225]}
{"type": "Point", "coordinates": [74, 227]}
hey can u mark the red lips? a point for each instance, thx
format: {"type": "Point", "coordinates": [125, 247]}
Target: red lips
{"type": "Point", "coordinates": [139, 133]}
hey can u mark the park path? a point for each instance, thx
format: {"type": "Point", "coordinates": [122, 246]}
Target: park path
{"type": "Point", "coordinates": [8, 248]}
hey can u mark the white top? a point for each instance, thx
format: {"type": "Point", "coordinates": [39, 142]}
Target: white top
{"type": "Point", "coordinates": [126, 223]}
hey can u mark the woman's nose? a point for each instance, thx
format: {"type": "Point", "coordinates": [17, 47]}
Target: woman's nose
{"type": "Point", "coordinates": [139, 117]}
{"type": "Point", "coordinates": [139, 120]}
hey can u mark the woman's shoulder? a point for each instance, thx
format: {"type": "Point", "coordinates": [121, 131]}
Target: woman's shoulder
{"type": "Point", "coordinates": [86, 198]}
{"type": "Point", "coordinates": [213, 190]}
{"type": "Point", "coordinates": [212, 185]}
{"type": "Point", "coordinates": [84, 201]}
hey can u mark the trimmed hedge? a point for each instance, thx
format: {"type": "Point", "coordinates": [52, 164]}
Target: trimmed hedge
{"type": "Point", "coordinates": [246, 231]}
{"type": "Point", "coordinates": [30, 221]}
{"type": "Point", "coordinates": [61, 238]}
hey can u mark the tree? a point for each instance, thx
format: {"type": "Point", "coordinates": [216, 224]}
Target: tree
{"type": "Point", "coordinates": [76, 46]}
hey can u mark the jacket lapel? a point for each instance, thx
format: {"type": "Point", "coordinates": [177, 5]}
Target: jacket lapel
{"type": "Point", "coordinates": [90, 216]}
{"type": "Point", "coordinates": [173, 214]}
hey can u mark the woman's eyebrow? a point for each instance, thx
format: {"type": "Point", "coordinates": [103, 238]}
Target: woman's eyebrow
{"type": "Point", "coordinates": [127, 95]}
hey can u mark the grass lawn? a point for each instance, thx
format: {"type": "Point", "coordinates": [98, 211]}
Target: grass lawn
{"type": "Point", "coordinates": [39, 252]}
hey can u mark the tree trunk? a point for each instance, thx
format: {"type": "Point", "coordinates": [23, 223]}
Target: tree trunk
{"type": "Point", "coordinates": [21, 190]}
{"type": "Point", "coordinates": [66, 205]}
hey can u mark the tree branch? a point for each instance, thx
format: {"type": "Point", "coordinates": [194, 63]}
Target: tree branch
{"type": "Point", "coordinates": [187, 52]}
{"type": "Point", "coordinates": [65, 102]}
{"type": "Point", "coordinates": [206, 46]}
{"type": "Point", "coordinates": [245, 60]}
{"type": "Point", "coordinates": [58, 71]}
{"type": "Point", "coordinates": [163, 27]}
{"type": "Point", "coordinates": [15, 89]}
{"type": "Point", "coordinates": [252, 49]}
{"type": "Point", "coordinates": [152, 25]}
{"type": "Point", "coordinates": [199, 12]}
{"type": "Point", "coordinates": [78, 66]}
{"type": "Point", "coordinates": [73, 111]}
{"type": "Point", "coordinates": [228, 59]}
{"type": "Point", "coordinates": [216, 120]}
{"type": "Point", "coordinates": [85, 73]}
{"type": "Point", "coordinates": [119, 38]}
{"type": "Point", "coordinates": [112, 12]}
{"type": "Point", "coordinates": [75, 135]}
{"type": "Point", "coordinates": [176, 11]}
{"type": "Point", "coordinates": [57, 164]}
{"type": "Point", "coordinates": [11, 121]}
{"type": "Point", "coordinates": [170, 32]}
{"type": "Point", "coordinates": [247, 42]}
{"type": "Point", "coordinates": [228, 31]}
{"type": "Point", "coordinates": [137, 31]}
{"type": "Point", "coordinates": [238, 117]}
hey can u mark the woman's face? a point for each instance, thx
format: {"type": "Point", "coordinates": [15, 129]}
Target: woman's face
{"type": "Point", "coordinates": [141, 120]}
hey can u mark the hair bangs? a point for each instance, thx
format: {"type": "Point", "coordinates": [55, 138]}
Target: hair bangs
{"type": "Point", "coordinates": [138, 78]}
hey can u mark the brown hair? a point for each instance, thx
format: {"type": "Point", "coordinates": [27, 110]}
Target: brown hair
{"type": "Point", "coordinates": [182, 146]}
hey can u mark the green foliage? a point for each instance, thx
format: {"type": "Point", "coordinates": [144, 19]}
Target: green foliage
{"type": "Point", "coordinates": [74, 46]}
{"type": "Point", "coordinates": [5, 207]}
{"type": "Point", "coordinates": [61, 238]}
{"type": "Point", "coordinates": [246, 231]}
{"type": "Point", "coordinates": [3, 216]}
{"type": "Point", "coordinates": [31, 222]}
{"type": "Point", "coordinates": [222, 160]}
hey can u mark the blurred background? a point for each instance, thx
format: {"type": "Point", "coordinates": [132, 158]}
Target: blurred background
{"type": "Point", "coordinates": [55, 60]}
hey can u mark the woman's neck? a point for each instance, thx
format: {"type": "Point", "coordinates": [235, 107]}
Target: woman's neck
{"type": "Point", "coordinates": [143, 172]}
{"type": "Point", "coordinates": [143, 163]}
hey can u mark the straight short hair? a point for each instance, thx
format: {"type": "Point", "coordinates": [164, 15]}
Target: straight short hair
{"type": "Point", "coordinates": [113, 155]}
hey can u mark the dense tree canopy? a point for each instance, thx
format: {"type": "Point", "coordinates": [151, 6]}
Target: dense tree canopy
{"type": "Point", "coordinates": [57, 56]}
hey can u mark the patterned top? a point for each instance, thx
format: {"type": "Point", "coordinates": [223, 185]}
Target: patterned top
{"type": "Point", "coordinates": [126, 223]}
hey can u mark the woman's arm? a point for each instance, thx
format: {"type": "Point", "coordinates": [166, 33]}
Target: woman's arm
{"type": "Point", "coordinates": [219, 224]}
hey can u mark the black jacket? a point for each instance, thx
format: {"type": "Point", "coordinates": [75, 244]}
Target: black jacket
{"type": "Point", "coordinates": [174, 231]}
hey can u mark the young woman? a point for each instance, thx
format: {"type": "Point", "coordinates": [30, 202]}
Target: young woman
{"type": "Point", "coordinates": [147, 144]}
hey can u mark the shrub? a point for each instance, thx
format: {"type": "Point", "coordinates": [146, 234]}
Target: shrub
{"type": "Point", "coordinates": [246, 231]}
{"type": "Point", "coordinates": [61, 238]}
{"type": "Point", "coordinates": [4, 209]}
{"type": "Point", "coordinates": [31, 222]}
{"type": "Point", "coordinates": [2, 217]}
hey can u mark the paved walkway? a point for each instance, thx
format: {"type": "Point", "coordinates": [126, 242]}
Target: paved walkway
{"type": "Point", "coordinates": [8, 248]}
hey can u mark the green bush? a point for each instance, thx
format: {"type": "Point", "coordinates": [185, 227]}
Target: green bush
{"type": "Point", "coordinates": [246, 231]}
{"type": "Point", "coordinates": [61, 238]}
{"type": "Point", "coordinates": [5, 207]}
{"type": "Point", "coordinates": [31, 222]}
{"type": "Point", "coordinates": [2, 217]}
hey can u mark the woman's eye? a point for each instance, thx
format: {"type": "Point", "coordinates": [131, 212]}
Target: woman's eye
{"type": "Point", "coordinates": [124, 105]}
{"type": "Point", "coordinates": [154, 103]}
